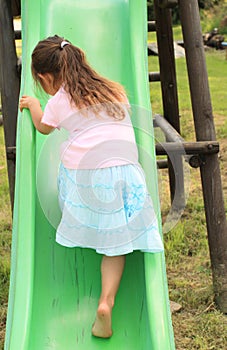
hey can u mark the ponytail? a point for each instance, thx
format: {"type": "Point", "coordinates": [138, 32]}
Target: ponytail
{"type": "Point", "coordinates": [68, 66]}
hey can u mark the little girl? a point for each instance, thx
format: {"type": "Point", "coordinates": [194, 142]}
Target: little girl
{"type": "Point", "coordinates": [102, 191]}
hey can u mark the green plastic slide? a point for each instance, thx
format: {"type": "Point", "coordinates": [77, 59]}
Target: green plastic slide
{"type": "Point", "coordinates": [54, 290]}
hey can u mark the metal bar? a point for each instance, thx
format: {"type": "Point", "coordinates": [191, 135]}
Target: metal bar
{"type": "Point", "coordinates": [171, 134]}
{"type": "Point", "coordinates": [205, 130]}
{"type": "Point", "coordinates": [194, 160]}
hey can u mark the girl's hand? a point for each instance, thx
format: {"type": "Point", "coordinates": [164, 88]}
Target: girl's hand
{"type": "Point", "coordinates": [34, 107]}
{"type": "Point", "coordinates": [29, 102]}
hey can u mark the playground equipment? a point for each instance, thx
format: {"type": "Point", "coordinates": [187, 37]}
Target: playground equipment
{"type": "Point", "coordinates": [39, 274]}
{"type": "Point", "coordinates": [54, 290]}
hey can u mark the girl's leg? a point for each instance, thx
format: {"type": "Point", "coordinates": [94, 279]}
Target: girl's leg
{"type": "Point", "coordinates": [111, 270]}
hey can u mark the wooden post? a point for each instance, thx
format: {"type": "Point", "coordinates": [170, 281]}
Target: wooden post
{"type": "Point", "coordinates": [163, 18]}
{"type": "Point", "coordinates": [10, 85]}
{"type": "Point", "coordinates": [205, 131]}
{"type": "Point", "coordinates": [16, 7]}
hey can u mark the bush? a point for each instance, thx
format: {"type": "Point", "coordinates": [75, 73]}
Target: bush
{"type": "Point", "coordinates": [206, 4]}
{"type": "Point", "coordinates": [203, 4]}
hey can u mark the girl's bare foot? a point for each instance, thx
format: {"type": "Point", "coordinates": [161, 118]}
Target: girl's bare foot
{"type": "Point", "coordinates": [102, 327]}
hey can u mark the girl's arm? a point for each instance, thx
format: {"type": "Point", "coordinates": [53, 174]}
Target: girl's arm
{"type": "Point", "coordinates": [33, 105]}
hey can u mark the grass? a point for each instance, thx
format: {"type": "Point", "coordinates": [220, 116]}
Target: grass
{"type": "Point", "coordinates": [214, 18]}
{"type": "Point", "coordinates": [199, 325]}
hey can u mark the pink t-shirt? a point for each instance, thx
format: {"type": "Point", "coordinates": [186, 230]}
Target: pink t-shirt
{"type": "Point", "coordinates": [93, 141]}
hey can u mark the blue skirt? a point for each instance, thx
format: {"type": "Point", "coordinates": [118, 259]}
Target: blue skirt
{"type": "Point", "coordinates": [107, 209]}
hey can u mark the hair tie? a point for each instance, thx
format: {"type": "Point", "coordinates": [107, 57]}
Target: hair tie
{"type": "Point", "coordinates": [63, 44]}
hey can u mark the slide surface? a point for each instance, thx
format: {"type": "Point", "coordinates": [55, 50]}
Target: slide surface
{"type": "Point", "coordinates": [54, 290]}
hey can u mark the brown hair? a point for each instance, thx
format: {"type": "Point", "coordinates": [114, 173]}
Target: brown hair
{"type": "Point", "coordinates": [69, 67]}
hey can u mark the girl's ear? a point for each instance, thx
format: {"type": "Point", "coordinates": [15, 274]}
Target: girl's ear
{"type": "Point", "coordinates": [46, 78]}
